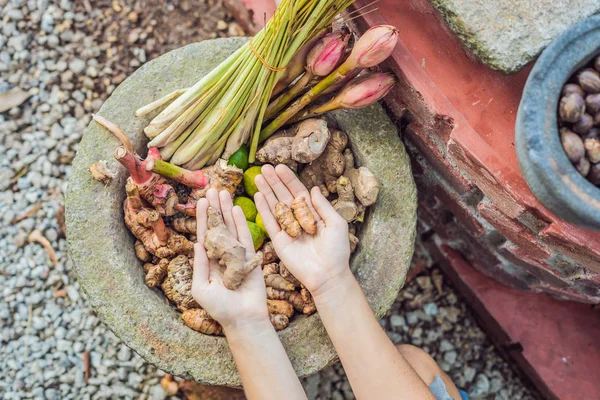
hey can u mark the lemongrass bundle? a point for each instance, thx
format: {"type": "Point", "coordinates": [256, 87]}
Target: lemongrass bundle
{"type": "Point", "coordinates": [226, 108]}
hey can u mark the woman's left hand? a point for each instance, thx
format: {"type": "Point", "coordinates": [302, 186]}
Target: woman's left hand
{"type": "Point", "coordinates": [247, 305]}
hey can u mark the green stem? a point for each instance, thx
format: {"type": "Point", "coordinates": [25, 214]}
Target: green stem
{"type": "Point", "coordinates": [193, 179]}
{"type": "Point", "coordinates": [276, 105]}
{"type": "Point", "coordinates": [306, 99]}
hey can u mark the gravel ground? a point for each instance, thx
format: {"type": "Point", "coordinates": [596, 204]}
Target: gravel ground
{"type": "Point", "coordinates": [61, 60]}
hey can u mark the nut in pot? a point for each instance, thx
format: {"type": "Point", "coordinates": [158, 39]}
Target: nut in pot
{"type": "Point", "coordinates": [571, 107]}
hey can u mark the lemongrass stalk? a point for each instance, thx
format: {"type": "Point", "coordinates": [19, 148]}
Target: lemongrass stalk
{"type": "Point", "coordinates": [148, 108]}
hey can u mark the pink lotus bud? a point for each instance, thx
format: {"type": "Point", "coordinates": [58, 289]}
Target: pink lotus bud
{"type": "Point", "coordinates": [365, 90]}
{"type": "Point", "coordinates": [374, 46]}
{"type": "Point", "coordinates": [327, 53]}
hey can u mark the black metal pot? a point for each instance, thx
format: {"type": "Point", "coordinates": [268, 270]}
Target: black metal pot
{"type": "Point", "coordinates": [545, 166]}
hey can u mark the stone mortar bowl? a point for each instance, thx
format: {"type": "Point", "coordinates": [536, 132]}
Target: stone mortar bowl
{"type": "Point", "coordinates": [113, 279]}
{"type": "Point", "coordinates": [545, 166]}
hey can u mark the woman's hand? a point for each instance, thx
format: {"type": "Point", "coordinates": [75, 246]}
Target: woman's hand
{"type": "Point", "coordinates": [244, 307]}
{"type": "Point", "coordinates": [317, 261]}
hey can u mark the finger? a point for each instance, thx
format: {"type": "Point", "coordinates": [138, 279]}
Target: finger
{"type": "Point", "coordinates": [280, 190]}
{"type": "Point", "coordinates": [201, 269]}
{"type": "Point", "coordinates": [296, 188]}
{"type": "Point", "coordinates": [265, 190]}
{"type": "Point", "coordinates": [267, 216]}
{"type": "Point", "coordinates": [212, 195]}
{"type": "Point", "coordinates": [226, 207]}
{"type": "Point", "coordinates": [201, 220]}
{"type": "Point", "coordinates": [324, 208]}
{"type": "Point", "coordinates": [243, 233]}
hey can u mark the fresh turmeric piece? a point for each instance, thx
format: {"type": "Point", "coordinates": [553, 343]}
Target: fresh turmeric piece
{"type": "Point", "coordinates": [344, 204]}
{"type": "Point", "coordinates": [156, 273]}
{"type": "Point", "coordinates": [270, 269]}
{"type": "Point", "coordinates": [277, 294]}
{"type": "Point", "coordinates": [365, 183]}
{"type": "Point", "coordinates": [178, 284]}
{"type": "Point", "coordinates": [279, 321]}
{"type": "Point", "coordinates": [277, 281]}
{"type": "Point", "coordinates": [184, 224]}
{"type": "Point", "coordinates": [325, 170]}
{"type": "Point", "coordinates": [296, 300]}
{"type": "Point", "coordinates": [141, 252]}
{"type": "Point", "coordinates": [304, 216]}
{"type": "Point", "coordinates": [287, 275]}
{"type": "Point", "coordinates": [287, 221]}
{"type": "Point", "coordinates": [309, 303]}
{"type": "Point", "coordinates": [280, 307]}
{"type": "Point", "coordinates": [269, 254]}
{"type": "Point", "coordinates": [221, 245]}
{"type": "Point", "coordinates": [199, 320]}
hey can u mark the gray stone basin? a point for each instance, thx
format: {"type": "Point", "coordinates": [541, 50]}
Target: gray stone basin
{"type": "Point", "coordinates": [112, 277]}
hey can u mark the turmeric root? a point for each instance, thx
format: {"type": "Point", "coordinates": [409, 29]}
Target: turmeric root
{"type": "Point", "coordinates": [280, 307]}
{"type": "Point", "coordinates": [304, 216]}
{"type": "Point", "coordinates": [199, 320]}
{"type": "Point", "coordinates": [141, 252]}
{"type": "Point", "coordinates": [277, 281]}
{"type": "Point", "coordinates": [277, 294]}
{"type": "Point", "coordinates": [221, 177]}
{"type": "Point", "coordinates": [325, 170]}
{"type": "Point", "coordinates": [296, 300]}
{"type": "Point", "coordinates": [269, 254]}
{"type": "Point", "coordinates": [309, 304]}
{"type": "Point", "coordinates": [155, 273]}
{"type": "Point", "coordinates": [178, 284]}
{"type": "Point", "coordinates": [344, 204]}
{"type": "Point", "coordinates": [184, 224]}
{"type": "Point", "coordinates": [287, 275]}
{"type": "Point", "coordinates": [279, 321]}
{"type": "Point", "coordinates": [221, 245]}
{"type": "Point", "coordinates": [100, 172]}
{"type": "Point", "coordinates": [365, 183]}
{"type": "Point", "coordinates": [303, 143]}
{"type": "Point", "coordinates": [270, 269]}
{"type": "Point", "coordinates": [288, 223]}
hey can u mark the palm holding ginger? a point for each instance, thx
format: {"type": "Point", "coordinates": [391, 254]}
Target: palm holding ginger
{"type": "Point", "coordinates": [316, 260]}
{"type": "Point", "coordinates": [246, 304]}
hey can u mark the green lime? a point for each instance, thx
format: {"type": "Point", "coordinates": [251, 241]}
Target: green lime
{"type": "Point", "coordinates": [249, 184]}
{"type": "Point", "coordinates": [258, 235]}
{"type": "Point", "coordinates": [247, 206]}
{"type": "Point", "coordinates": [239, 158]}
{"type": "Point", "coordinates": [261, 224]}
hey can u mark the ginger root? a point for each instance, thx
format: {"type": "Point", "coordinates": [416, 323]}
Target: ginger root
{"type": "Point", "coordinates": [156, 273]}
{"type": "Point", "coordinates": [280, 307]}
{"type": "Point", "coordinates": [199, 320]}
{"type": "Point", "coordinates": [279, 321]}
{"type": "Point", "coordinates": [100, 172]}
{"type": "Point", "coordinates": [178, 284]}
{"type": "Point", "coordinates": [277, 281]}
{"type": "Point", "coordinates": [221, 245]}
{"type": "Point", "coordinates": [287, 221]}
{"type": "Point", "coordinates": [221, 177]}
{"type": "Point", "coordinates": [270, 269]}
{"type": "Point", "coordinates": [269, 254]}
{"type": "Point", "coordinates": [184, 224]}
{"type": "Point", "coordinates": [365, 183]}
{"type": "Point", "coordinates": [287, 275]}
{"type": "Point", "coordinates": [325, 170]}
{"type": "Point", "coordinates": [302, 143]}
{"type": "Point", "coordinates": [141, 252]}
{"type": "Point", "coordinates": [304, 216]}
{"type": "Point", "coordinates": [344, 204]}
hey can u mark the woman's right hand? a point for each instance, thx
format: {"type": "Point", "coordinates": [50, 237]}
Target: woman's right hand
{"type": "Point", "coordinates": [318, 260]}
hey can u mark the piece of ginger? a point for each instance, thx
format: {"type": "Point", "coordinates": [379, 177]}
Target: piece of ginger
{"type": "Point", "coordinates": [304, 216]}
{"type": "Point", "coordinates": [280, 307]}
{"type": "Point", "coordinates": [287, 221]}
{"type": "Point", "coordinates": [269, 254]}
{"type": "Point", "coordinates": [345, 204]}
{"type": "Point", "coordinates": [221, 245]}
{"type": "Point", "coordinates": [365, 183]}
{"type": "Point", "coordinates": [156, 273]}
{"type": "Point", "coordinates": [199, 320]}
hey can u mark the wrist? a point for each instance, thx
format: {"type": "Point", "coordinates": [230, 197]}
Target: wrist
{"type": "Point", "coordinates": [334, 289]}
{"type": "Point", "coordinates": [244, 329]}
